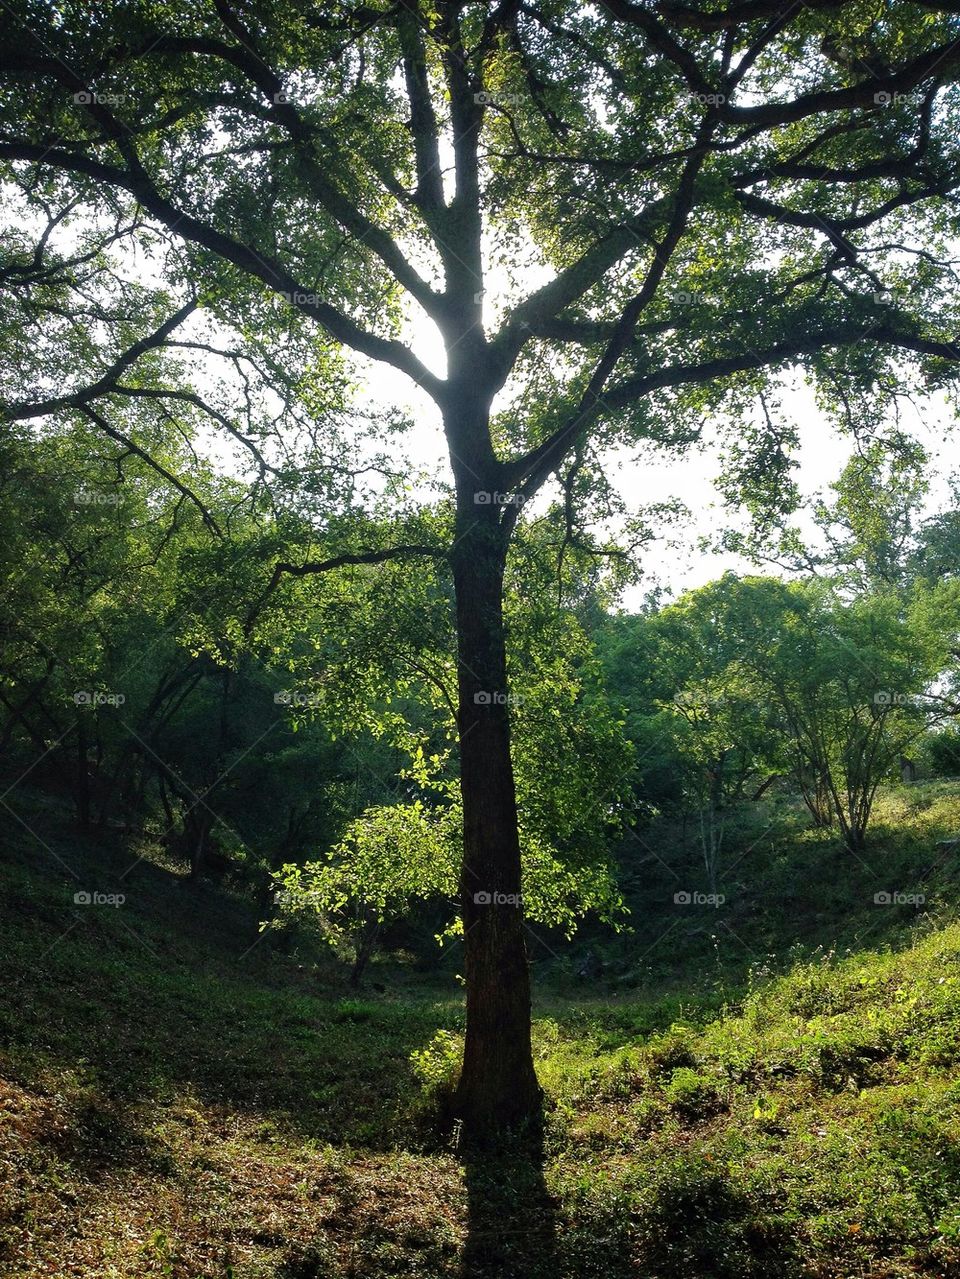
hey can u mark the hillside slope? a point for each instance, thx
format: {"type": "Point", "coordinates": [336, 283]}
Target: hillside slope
{"type": "Point", "coordinates": [183, 1097]}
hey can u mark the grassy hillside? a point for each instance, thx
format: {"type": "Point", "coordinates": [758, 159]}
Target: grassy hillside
{"type": "Point", "coordinates": [183, 1096]}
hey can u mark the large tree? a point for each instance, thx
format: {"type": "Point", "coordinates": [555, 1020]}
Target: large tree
{"type": "Point", "coordinates": [709, 193]}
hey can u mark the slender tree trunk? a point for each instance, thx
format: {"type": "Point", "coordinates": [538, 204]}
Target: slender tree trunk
{"type": "Point", "coordinates": [855, 837]}
{"type": "Point", "coordinates": [365, 945]}
{"type": "Point", "coordinates": [201, 818]}
{"type": "Point", "coordinates": [83, 776]}
{"type": "Point", "coordinates": [18, 713]}
{"type": "Point", "coordinates": [816, 795]}
{"type": "Point", "coordinates": [197, 825]}
{"type": "Point", "coordinates": [498, 1087]}
{"type": "Point", "coordinates": [165, 801]}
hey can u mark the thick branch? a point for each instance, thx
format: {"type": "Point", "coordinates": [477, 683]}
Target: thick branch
{"type": "Point", "coordinates": [105, 384]}
{"type": "Point", "coordinates": [339, 561]}
{"type": "Point", "coordinates": [777, 353]}
{"type": "Point", "coordinates": [548, 302]}
{"type": "Point", "coordinates": [537, 465]}
{"type": "Point", "coordinates": [254, 263]}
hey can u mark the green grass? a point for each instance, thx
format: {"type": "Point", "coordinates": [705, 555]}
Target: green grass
{"type": "Point", "coordinates": [183, 1096]}
{"type": "Point", "coordinates": [790, 891]}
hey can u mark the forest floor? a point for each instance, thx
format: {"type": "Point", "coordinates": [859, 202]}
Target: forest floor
{"type": "Point", "coordinates": [183, 1095]}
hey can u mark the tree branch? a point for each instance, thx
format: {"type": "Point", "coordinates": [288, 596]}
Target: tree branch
{"type": "Point", "coordinates": [102, 424]}
{"type": "Point", "coordinates": [252, 262]}
{"type": "Point", "coordinates": [105, 384]}
{"type": "Point", "coordinates": [344, 560]}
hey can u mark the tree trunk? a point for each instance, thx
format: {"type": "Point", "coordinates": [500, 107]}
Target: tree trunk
{"type": "Point", "coordinates": [855, 838]}
{"type": "Point", "coordinates": [197, 825]}
{"type": "Point", "coordinates": [82, 792]}
{"type": "Point", "coordinates": [364, 946]}
{"type": "Point", "coordinates": [498, 1087]}
{"type": "Point", "coordinates": [816, 794]}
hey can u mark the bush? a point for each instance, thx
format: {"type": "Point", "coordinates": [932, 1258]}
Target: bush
{"type": "Point", "coordinates": [667, 1052]}
{"type": "Point", "coordinates": [693, 1095]}
{"type": "Point", "coordinates": [943, 751]}
{"type": "Point", "coordinates": [437, 1066]}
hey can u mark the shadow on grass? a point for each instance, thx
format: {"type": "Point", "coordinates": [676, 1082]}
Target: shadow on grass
{"type": "Point", "coordinates": [511, 1215]}
{"type": "Point", "coordinates": [176, 993]}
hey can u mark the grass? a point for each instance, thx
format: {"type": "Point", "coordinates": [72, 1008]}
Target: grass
{"type": "Point", "coordinates": [183, 1096]}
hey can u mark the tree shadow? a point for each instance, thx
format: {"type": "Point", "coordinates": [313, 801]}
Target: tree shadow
{"type": "Point", "coordinates": [511, 1215]}
{"type": "Point", "coordinates": [177, 996]}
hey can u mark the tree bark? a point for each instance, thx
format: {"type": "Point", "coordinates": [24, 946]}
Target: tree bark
{"type": "Point", "coordinates": [82, 792]}
{"type": "Point", "coordinates": [498, 1087]}
{"type": "Point", "coordinates": [364, 946]}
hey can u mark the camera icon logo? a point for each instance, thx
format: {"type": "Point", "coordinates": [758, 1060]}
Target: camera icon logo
{"type": "Point", "coordinates": [482, 498]}
{"type": "Point", "coordinates": [81, 899]}
{"type": "Point", "coordinates": [82, 698]}
{"type": "Point", "coordinates": [882, 98]}
{"type": "Point", "coordinates": [83, 98]}
{"type": "Point", "coordinates": [682, 898]}
{"type": "Point", "coordinates": [482, 899]}
{"type": "Point", "coordinates": [280, 99]}
{"type": "Point", "coordinates": [882, 899]}
{"type": "Point", "coordinates": [482, 699]}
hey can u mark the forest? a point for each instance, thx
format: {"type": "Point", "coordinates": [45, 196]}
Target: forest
{"type": "Point", "coordinates": [479, 639]}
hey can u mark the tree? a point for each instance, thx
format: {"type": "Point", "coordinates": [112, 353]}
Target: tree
{"type": "Point", "coordinates": [869, 532]}
{"type": "Point", "coordinates": [765, 678]}
{"type": "Point", "coordinates": [852, 679]}
{"type": "Point", "coordinates": [720, 719]}
{"type": "Point", "coordinates": [91, 548]}
{"type": "Point", "coordinates": [391, 674]}
{"type": "Point", "coordinates": [712, 191]}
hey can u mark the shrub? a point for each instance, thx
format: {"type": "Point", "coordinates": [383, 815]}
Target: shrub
{"type": "Point", "coordinates": [693, 1095]}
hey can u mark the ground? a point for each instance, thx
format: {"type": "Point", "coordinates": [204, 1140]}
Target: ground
{"type": "Point", "coordinates": [183, 1095]}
